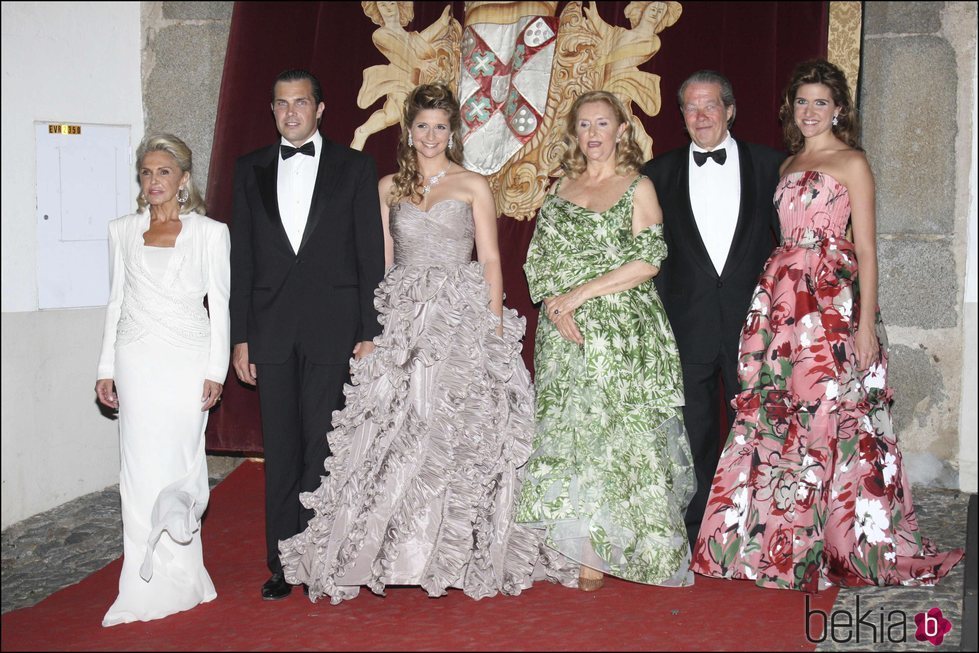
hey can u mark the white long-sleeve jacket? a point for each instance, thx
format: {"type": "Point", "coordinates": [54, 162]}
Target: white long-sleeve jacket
{"type": "Point", "coordinates": [171, 308]}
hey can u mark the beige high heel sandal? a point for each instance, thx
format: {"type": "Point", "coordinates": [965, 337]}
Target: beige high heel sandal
{"type": "Point", "coordinates": [589, 583]}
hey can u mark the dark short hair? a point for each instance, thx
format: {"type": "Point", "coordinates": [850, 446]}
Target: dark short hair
{"type": "Point", "coordinates": [297, 75]}
{"type": "Point", "coordinates": [711, 77]}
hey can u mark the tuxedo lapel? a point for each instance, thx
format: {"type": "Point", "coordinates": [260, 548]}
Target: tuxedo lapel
{"type": "Point", "coordinates": [266, 178]}
{"type": "Point", "coordinates": [326, 179]}
{"type": "Point", "coordinates": [745, 211]}
{"type": "Point", "coordinates": [690, 233]}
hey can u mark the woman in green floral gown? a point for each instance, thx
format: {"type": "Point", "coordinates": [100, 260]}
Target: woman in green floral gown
{"type": "Point", "coordinates": [611, 475]}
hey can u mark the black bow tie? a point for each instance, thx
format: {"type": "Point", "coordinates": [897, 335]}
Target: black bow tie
{"type": "Point", "coordinates": [308, 149]}
{"type": "Point", "coordinates": [700, 158]}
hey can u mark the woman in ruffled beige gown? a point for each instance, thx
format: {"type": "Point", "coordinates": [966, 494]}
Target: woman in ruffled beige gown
{"type": "Point", "coordinates": [425, 471]}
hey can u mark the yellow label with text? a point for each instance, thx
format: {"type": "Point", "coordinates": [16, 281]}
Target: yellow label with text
{"type": "Point", "coordinates": [64, 129]}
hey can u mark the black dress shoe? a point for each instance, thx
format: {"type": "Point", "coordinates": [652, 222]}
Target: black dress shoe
{"type": "Point", "coordinates": [276, 588]}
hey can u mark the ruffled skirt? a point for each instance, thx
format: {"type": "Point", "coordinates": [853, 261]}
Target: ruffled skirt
{"type": "Point", "coordinates": [426, 459]}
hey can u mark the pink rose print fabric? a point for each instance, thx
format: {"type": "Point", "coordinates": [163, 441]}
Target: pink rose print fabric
{"type": "Point", "coordinates": [811, 487]}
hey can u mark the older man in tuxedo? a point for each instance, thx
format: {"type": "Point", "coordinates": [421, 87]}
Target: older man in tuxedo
{"type": "Point", "coordinates": [720, 226]}
{"type": "Point", "coordinates": [307, 252]}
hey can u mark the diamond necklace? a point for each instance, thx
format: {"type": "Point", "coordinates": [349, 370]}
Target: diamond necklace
{"type": "Point", "coordinates": [433, 182]}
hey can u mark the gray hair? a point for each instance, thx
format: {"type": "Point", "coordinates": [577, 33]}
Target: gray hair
{"type": "Point", "coordinates": [711, 77]}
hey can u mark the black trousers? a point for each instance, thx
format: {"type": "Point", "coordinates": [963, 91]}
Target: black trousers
{"type": "Point", "coordinates": [297, 400]}
{"type": "Point", "coordinates": [702, 417]}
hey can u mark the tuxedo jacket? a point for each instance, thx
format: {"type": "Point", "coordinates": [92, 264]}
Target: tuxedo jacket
{"type": "Point", "coordinates": [320, 298]}
{"type": "Point", "coordinates": [707, 309]}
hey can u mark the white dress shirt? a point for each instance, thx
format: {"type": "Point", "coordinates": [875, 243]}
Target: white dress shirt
{"type": "Point", "coordinates": [296, 178]}
{"type": "Point", "coordinates": [715, 198]}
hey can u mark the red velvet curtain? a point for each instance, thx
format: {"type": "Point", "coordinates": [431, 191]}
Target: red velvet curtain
{"type": "Point", "coordinates": [756, 44]}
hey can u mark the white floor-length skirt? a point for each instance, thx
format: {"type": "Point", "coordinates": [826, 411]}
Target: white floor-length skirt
{"type": "Point", "coordinates": [163, 480]}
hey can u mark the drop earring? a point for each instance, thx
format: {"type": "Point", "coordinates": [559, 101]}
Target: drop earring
{"type": "Point", "coordinates": [836, 120]}
{"type": "Point", "coordinates": [450, 141]}
{"type": "Point", "coordinates": [411, 143]}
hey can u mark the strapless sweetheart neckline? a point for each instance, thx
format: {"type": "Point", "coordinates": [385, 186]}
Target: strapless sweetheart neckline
{"type": "Point", "coordinates": [818, 172]}
{"type": "Point", "coordinates": [432, 207]}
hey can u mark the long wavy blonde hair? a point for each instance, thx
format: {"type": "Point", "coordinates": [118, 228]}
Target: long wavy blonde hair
{"type": "Point", "coordinates": [185, 161]}
{"type": "Point", "coordinates": [628, 155]}
{"type": "Point", "coordinates": [408, 180]}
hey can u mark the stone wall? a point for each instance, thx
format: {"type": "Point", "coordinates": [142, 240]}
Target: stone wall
{"type": "Point", "coordinates": [916, 90]}
{"type": "Point", "coordinates": [183, 59]}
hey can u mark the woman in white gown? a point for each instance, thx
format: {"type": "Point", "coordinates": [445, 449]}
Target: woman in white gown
{"type": "Point", "coordinates": [163, 364]}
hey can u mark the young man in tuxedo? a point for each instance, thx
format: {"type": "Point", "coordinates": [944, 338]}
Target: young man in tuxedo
{"type": "Point", "coordinates": [720, 226]}
{"type": "Point", "coordinates": [307, 252]}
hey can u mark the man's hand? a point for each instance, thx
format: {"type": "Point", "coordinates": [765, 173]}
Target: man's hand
{"type": "Point", "coordinates": [247, 372]}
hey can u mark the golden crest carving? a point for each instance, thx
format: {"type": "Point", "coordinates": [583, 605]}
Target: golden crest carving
{"type": "Point", "coordinates": [431, 55]}
{"type": "Point", "coordinates": [590, 54]}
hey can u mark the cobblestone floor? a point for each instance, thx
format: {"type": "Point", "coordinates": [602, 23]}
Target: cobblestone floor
{"type": "Point", "coordinates": [60, 547]}
{"type": "Point", "coordinates": [942, 516]}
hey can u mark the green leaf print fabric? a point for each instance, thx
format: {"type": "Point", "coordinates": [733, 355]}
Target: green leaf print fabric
{"type": "Point", "coordinates": [611, 473]}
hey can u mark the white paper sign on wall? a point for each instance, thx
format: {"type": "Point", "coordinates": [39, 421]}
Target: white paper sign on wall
{"type": "Point", "coordinates": [85, 179]}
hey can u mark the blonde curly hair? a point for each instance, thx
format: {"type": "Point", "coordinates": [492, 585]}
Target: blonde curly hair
{"type": "Point", "coordinates": [628, 155]}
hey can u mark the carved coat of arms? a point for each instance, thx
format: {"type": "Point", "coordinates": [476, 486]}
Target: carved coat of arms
{"type": "Point", "coordinates": [503, 84]}
{"type": "Point", "coordinates": [518, 69]}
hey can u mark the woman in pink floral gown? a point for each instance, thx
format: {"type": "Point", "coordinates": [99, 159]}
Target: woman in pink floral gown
{"type": "Point", "coordinates": [811, 486]}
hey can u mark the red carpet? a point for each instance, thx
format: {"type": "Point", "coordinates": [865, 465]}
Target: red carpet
{"type": "Point", "coordinates": [711, 615]}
